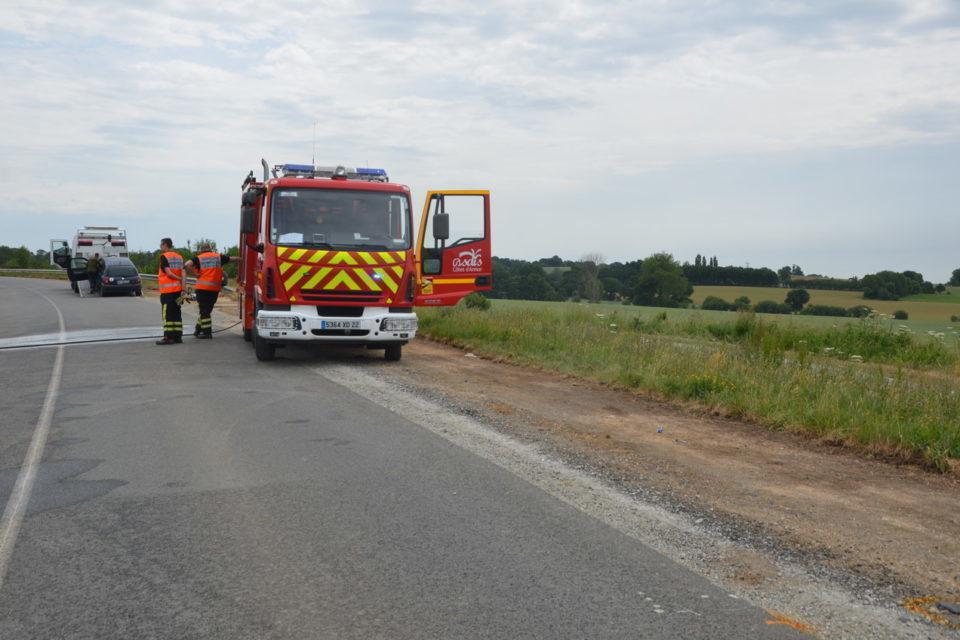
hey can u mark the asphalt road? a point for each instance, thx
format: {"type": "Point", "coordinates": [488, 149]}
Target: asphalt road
{"type": "Point", "coordinates": [191, 492]}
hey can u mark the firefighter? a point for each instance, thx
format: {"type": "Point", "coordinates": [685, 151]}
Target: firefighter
{"type": "Point", "coordinates": [170, 278]}
{"type": "Point", "coordinates": [208, 268]}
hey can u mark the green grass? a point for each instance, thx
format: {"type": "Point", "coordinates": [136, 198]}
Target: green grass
{"type": "Point", "coordinates": [785, 375]}
{"type": "Point", "coordinates": [952, 298]}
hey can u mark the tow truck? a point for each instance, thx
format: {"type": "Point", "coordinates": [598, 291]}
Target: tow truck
{"type": "Point", "coordinates": [88, 241]}
{"type": "Point", "coordinates": [329, 255]}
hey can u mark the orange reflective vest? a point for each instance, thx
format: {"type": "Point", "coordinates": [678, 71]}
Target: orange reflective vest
{"type": "Point", "coordinates": [169, 278]}
{"type": "Point", "coordinates": [209, 271]}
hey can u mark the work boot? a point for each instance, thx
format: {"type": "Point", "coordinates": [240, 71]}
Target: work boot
{"type": "Point", "coordinates": [204, 336]}
{"type": "Point", "coordinates": [165, 340]}
{"type": "Point", "coordinates": [196, 331]}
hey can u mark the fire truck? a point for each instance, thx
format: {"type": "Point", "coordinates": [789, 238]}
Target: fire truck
{"type": "Point", "coordinates": [331, 255]}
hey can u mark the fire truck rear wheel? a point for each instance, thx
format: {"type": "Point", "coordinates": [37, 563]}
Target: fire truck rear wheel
{"type": "Point", "coordinates": [266, 351]}
{"type": "Point", "coordinates": [393, 352]}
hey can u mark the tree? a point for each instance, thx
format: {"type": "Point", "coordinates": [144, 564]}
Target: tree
{"type": "Point", "coordinates": [784, 273]}
{"type": "Point", "coordinates": [955, 278]}
{"type": "Point", "coordinates": [713, 303]}
{"type": "Point", "coordinates": [796, 270]}
{"type": "Point", "coordinates": [742, 303]}
{"type": "Point", "coordinates": [890, 285]}
{"type": "Point", "coordinates": [796, 298]}
{"type": "Point", "coordinates": [660, 283]}
{"type": "Point", "coordinates": [940, 288]}
{"type": "Point", "coordinates": [590, 287]}
{"type": "Point", "coordinates": [769, 306]}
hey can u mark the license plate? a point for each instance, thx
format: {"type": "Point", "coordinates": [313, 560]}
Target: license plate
{"type": "Point", "coordinates": [121, 281]}
{"type": "Point", "coordinates": [339, 324]}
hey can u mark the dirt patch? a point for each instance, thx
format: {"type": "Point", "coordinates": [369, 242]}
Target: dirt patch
{"type": "Point", "coordinates": [893, 525]}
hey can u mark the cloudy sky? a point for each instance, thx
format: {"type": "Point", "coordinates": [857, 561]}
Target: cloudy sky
{"type": "Point", "coordinates": [824, 133]}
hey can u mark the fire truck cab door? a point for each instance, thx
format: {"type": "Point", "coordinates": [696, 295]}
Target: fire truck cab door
{"type": "Point", "coordinates": [453, 247]}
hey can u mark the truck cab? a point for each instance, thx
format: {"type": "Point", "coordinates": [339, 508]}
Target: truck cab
{"type": "Point", "coordinates": [331, 255]}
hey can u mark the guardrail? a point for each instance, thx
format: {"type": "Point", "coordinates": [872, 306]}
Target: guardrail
{"type": "Point", "coordinates": [34, 270]}
{"type": "Point", "coordinates": [143, 276]}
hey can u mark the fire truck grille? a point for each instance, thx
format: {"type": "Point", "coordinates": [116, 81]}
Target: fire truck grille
{"type": "Point", "coordinates": [340, 332]}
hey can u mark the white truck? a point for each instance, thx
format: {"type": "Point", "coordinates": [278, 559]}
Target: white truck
{"type": "Point", "coordinates": [87, 242]}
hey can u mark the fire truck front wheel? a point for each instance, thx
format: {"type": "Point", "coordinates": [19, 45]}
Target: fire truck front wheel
{"type": "Point", "coordinates": [266, 351]}
{"type": "Point", "coordinates": [393, 352]}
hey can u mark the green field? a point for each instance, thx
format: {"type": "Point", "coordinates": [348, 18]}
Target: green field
{"type": "Point", "coordinates": [952, 298]}
{"type": "Point", "coordinates": [937, 310]}
{"type": "Point", "coordinates": [859, 382]}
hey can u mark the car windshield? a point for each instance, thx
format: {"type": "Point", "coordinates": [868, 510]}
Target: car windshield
{"type": "Point", "coordinates": [340, 219]}
{"type": "Point", "coordinates": [122, 271]}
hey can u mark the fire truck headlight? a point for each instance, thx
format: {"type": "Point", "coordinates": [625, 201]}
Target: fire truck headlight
{"type": "Point", "coordinates": [399, 324]}
{"type": "Point", "coordinates": [278, 322]}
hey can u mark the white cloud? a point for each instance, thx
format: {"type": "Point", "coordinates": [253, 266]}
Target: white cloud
{"type": "Point", "coordinates": [456, 92]}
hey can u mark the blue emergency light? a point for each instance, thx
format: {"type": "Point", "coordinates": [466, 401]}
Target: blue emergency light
{"type": "Point", "coordinates": [368, 174]}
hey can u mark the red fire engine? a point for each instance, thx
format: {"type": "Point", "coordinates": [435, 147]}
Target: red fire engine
{"type": "Point", "coordinates": [329, 254]}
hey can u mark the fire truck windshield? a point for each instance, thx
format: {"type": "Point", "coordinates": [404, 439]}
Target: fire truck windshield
{"type": "Point", "coordinates": [340, 219]}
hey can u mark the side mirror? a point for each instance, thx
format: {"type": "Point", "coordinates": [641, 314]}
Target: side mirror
{"type": "Point", "coordinates": [249, 197]}
{"type": "Point", "coordinates": [441, 226]}
{"type": "Point", "coordinates": [248, 219]}
{"type": "Point", "coordinates": [431, 266]}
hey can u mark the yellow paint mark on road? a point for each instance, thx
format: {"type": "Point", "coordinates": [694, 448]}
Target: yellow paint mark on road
{"type": "Point", "coordinates": [779, 618]}
{"type": "Point", "coordinates": [927, 607]}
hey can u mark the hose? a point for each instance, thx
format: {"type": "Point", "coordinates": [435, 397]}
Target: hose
{"type": "Point", "coordinates": [99, 340]}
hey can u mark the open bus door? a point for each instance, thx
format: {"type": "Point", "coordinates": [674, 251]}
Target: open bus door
{"type": "Point", "coordinates": [455, 260]}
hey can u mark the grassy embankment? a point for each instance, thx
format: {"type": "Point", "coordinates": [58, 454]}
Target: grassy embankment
{"type": "Point", "coordinates": [903, 399]}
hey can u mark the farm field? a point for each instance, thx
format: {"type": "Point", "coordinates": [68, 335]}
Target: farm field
{"type": "Point", "coordinates": [900, 395]}
{"type": "Point", "coordinates": [924, 310]}
{"type": "Point", "coordinates": [920, 328]}
{"type": "Point", "coordinates": [953, 298]}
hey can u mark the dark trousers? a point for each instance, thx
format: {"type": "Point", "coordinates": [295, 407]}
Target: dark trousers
{"type": "Point", "coordinates": [172, 318]}
{"type": "Point", "coordinates": [205, 302]}
{"type": "Point", "coordinates": [94, 279]}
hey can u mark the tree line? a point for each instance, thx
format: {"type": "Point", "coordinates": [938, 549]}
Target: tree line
{"type": "Point", "coordinates": [658, 280]}
{"type": "Point", "coordinates": [145, 261]}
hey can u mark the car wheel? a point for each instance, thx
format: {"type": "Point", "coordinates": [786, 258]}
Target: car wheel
{"type": "Point", "coordinates": [266, 351]}
{"type": "Point", "coordinates": [393, 352]}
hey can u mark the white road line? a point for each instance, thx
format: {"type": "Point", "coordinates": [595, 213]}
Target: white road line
{"type": "Point", "coordinates": [17, 503]}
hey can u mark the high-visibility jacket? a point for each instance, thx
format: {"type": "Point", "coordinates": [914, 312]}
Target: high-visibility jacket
{"type": "Point", "coordinates": [209, 271]}
{"type": "Point", "coordinates": [170, 278]}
